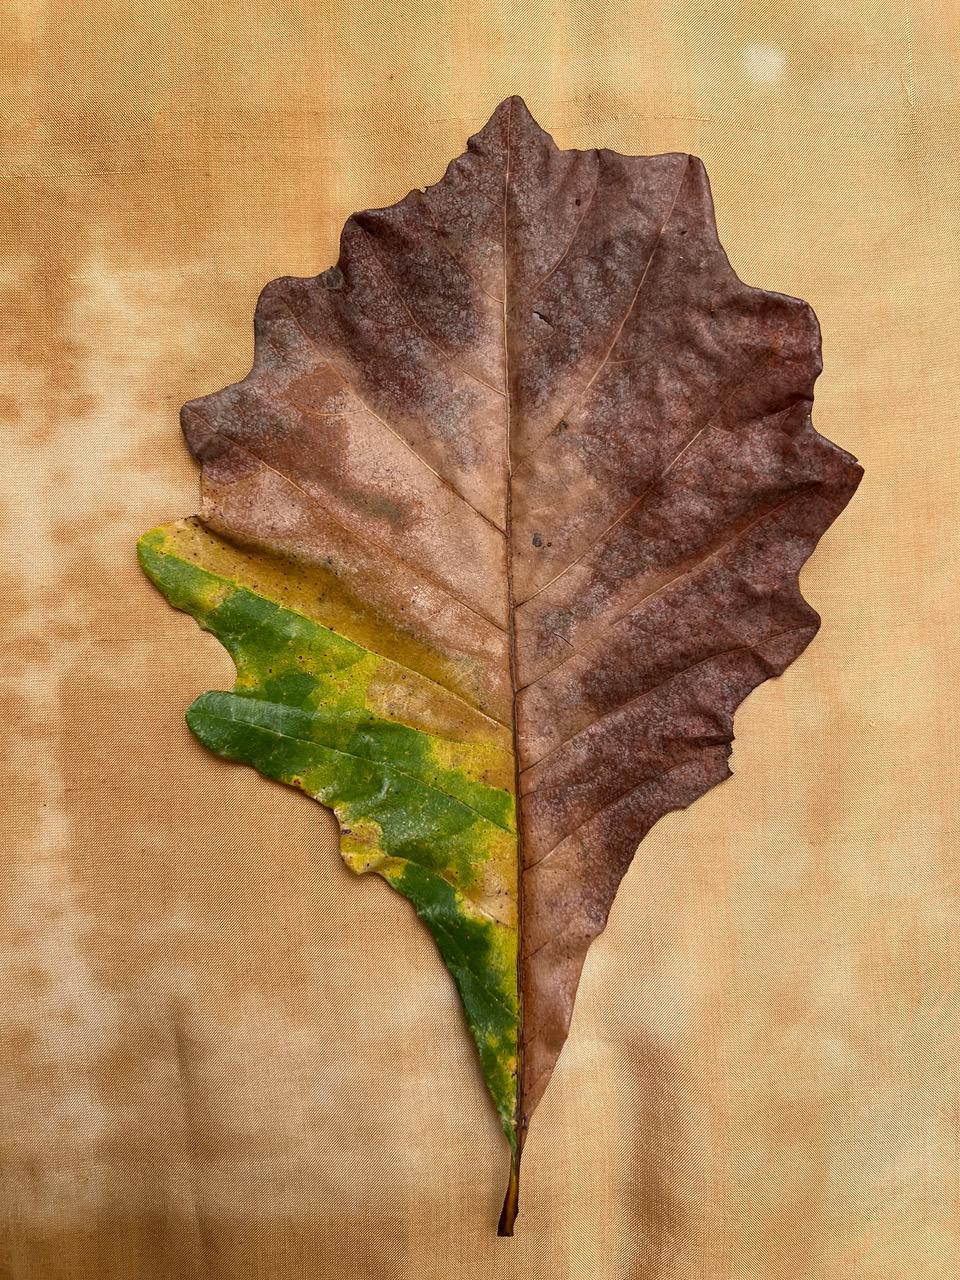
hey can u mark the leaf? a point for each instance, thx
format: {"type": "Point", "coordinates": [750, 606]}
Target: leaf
{"type": "Point", "coordinates": [513, 500]}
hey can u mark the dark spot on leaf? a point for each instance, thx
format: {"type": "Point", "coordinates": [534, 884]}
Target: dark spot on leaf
{"type": "Point", "coordinates": [537, 540]}
{"type": "Point", "coordinates": [555, 621]}
{"type": "Point", "coordinates": [332, 278]}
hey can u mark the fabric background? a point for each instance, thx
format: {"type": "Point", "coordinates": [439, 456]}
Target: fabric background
{"type": "Point", "coordinates": [224, 1056]}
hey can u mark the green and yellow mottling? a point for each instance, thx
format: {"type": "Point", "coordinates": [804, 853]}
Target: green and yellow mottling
{"type": "Point", "coordinates": [424, 799]}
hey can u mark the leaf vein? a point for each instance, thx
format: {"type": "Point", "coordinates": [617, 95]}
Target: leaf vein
{"type": "Point", "coordinates": [417, 573]}
{"type": "Point", "coordinates": [383, 422]}
{"type": "Point", "coordinates": [633, 302]}
{"type": "Point", "coordinates": [375, 761]}
{"type": "Point", "coordinates": [685, 573]}
{"type": "Point", "coordinates": [649, 488]}
{"type": "Point", "coordinates": [660, 684]}
{"type": "Point", "coordinates": [608, 804]}
{"type": "Point", "coordinates": [535, 289]}
{"type": "Point", "coordinates": [452, 360]}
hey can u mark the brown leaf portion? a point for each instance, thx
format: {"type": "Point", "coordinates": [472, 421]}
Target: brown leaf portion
{"type": "Point", "coordinates": [538, 438]}
{"type": "Point", "coordinates": [670, 487]}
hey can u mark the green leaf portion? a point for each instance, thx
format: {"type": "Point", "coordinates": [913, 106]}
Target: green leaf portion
{"type": "Point", "coordinates": [431, 812]}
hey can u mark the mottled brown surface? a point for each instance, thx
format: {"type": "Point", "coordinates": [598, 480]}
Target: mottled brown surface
{"type": "Point", "coordinates": [762, 1077]}
{"type": "Point", "coordinates": [533, 416]}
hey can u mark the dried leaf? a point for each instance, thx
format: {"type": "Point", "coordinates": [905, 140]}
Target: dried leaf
{"type": "Point", "coordinates": [513, 500]}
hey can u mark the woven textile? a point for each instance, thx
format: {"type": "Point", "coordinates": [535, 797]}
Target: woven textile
{"type": "Point", "coordinates": [221, 1055]}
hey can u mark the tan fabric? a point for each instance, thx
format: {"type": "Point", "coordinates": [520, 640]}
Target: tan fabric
{"type": "Point", "coordinates": [220, 1054]}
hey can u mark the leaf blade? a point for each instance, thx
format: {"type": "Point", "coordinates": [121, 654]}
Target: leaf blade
{"type": "Point", "coordinates": [547, 463]}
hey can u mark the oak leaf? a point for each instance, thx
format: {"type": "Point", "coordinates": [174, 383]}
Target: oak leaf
{"type": "Point", "coordinates": [512, 503]}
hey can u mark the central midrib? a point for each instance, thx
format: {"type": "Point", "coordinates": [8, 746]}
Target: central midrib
{"type": "Point", "coordinates": [511, 633]}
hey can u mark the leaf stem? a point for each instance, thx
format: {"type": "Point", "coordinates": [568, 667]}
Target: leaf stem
{"type": "Point", "coordinates": [508, 1214]}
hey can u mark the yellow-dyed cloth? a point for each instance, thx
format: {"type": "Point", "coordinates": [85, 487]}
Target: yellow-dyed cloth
{"type": "Point", "coordinates": [220, 1054]}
